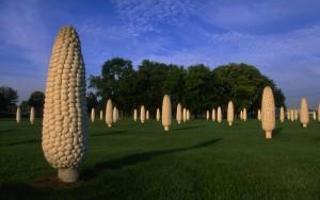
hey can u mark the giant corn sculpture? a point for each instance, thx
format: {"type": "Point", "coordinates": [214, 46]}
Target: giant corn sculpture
{"type": "Point", "coordinates": [101, 115]}
{"type": "Point", "coordinates": [213, 115]}
{"type": "Point", "coordinates": [93, 115]}
{"type": "Point", "coordinates": [219, 115]}
{"type": "Point", "coordinates": [259, 115]}
{"type": "Point", "coordinates": [179, 113]}
{"type": "Point", "coordinates": [135, 115]}
{"type": "Point", "coordinates": [166, 112]}
{"type": "Point", "coordinates": [65, 120]}
{"type": "Point", "coordinates": [184, 115]}
{"type": "Point", "coordinates": [32, 114]}
{"type": "Point", "coordinates": [319, 113]}
{"type": "Point", "coordinates": [282, 114]}
{"type": "Point", "coordinates": [18, 115]}
{"type": "Point", "coordinates": [268, 117]}
{"type": "Point", "coordinates": [142, 114]}
{"type": "Point", "coordinates": [109, 113]}
{"type": "Point", "coordinates": [207, 115]}
{"type": "Point", "coordinates": [158, 115]}
{"type": "Point", "coordinates": [245, 115]}
{"type": "Point", "coordinates": [230, 113]}
{"type": "Point", "coordinates": [147, 115]}
{"type": "Point", "coordinates": [188, 115]}
{"type": "Point", "coordinates": [314, 115]}
{"type": "Point", "coordinates": [115, 115]}
{"type": "Point", "coordinates": [304, 113]}
{"type": "Point", "coordinates": [292, 115]}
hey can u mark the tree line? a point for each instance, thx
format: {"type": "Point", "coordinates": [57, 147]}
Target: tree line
{"type": "Point", "coordinates": [197, 87]}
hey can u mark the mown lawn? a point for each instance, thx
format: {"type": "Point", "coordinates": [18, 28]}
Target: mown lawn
{"type": "Point", "coordinates": [196, 160]}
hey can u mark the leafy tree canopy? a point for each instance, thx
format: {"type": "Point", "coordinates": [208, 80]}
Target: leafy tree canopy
{"type": "Point", "coordinates": [197, 87]}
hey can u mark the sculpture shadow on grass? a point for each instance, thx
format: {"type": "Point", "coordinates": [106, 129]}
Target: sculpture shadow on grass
{"type": "Point", "coordinates": [277, 131]}
{"type": "Point", "coordinates": [31, 141]}
{"type": "Point", "coordinates": [186, 128]}
{"type": "Point", "coordinates": [109, 133]}
{"type": "Point", "coordinates": [91, 173]}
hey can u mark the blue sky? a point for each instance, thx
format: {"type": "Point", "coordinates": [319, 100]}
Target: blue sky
{"type": "Point", "coordinates": [280, 37]}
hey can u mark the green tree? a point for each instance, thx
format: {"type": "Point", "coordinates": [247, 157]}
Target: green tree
{"type": "Point", "coordinates": [8, 98]}
{"type": "Point", "coordinates": [117, 81]}
{"type": "Point", "coordinates": [92, 101]}
{"type": "Point", "coordinates": [198, 88]}
{"type": "Point", "coordinates": [243, 84]}
{"type": "Point", "coordinates": [36, 100]}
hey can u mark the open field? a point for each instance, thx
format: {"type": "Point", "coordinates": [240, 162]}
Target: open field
{"type": "Point", "coordinates": [197, 160]}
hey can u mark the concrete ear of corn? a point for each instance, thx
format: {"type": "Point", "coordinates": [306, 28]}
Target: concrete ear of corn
{"type": "Point", "coordinates": [101, 115]}
{"type": "Point", "coordinates": [158, 115]}
{"type": "Point", "coordinates": [184, 114]}
{"type": "Point", "coordinates": [135, 115]}
{"type": "Point", "coordinates": [230, 113]}
{"type": "Point", "coordinates": [65, 122]}
{"type": "Point", "coordinates": [245, 115]}
{"type": "Point", "coordinates": [166, 112]}
{"type": "Point", "coordinates": [179, 113]}
{"type": "Point", "coordinates": [142, 114]}
{"type": "Point", "coordinates": [109, 113]}
{"type": "Point", "coordinates": [268, 112]}
{"type": "Point", "coordinates": [93, 115]}
{"type": "Point", "coordinates": [282, 114]}
{"type": "Point", "coordinates": [147, 115]}
{"type": "Point", "coordinates": [213, 115]}
{"type": "Point", "coordinates": [219, 115]}
{"type": "Point", "coordinates": [207, 115]}
{"type": "Point", "coordinates": [32, 115]}
{"type": "Point", "coordinates": [304, 112]}
{"type": "Point", "coordinates": [114, 115]}
{"type": "Point", "coordinates": [18, 115]}
{"type": "Point", "coordinates": [259, 115]}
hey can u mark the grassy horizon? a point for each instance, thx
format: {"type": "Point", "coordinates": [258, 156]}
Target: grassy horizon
{"type": "Point", "coordinates": [196, 160]}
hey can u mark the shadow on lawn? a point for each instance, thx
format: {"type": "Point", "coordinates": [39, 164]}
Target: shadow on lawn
{"type": "Point", "coordinates": [109, 133]}
{"type": "Point", "coordinates": [277, 131]}
{"type": "Point", "coordinates": [186, 128]}
{"type": "Point", "coordinates": [137, 158]}
{"type": "Point", "coordinates": [22, 142]}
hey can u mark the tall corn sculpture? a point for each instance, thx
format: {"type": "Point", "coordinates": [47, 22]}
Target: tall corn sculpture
{"type": "Point", "coordinates": [142, 114]}
{"type": "Point", "coordinates": [109, 113]}
{"type": "Point", "coordinates": [304, 112]}
{"type": "Point", "coordinates": [135, 115]}
{"type": "Point", "coordinates": [259, 115]}
{"type": "Point", "coordinates": [282, 114]}
{"type": "Point", "coordinates": [158, 115]}
{"type": "Point", "coordinates": [18, 115]}
{"type": "Point", "coordinates": [166, 112]}
{"type": "Point", "coordinates": [65, 120]}
{"type": "Point", "coordinates": [101, 115]}
{"type": "Point", "coordinates": [268, 117]}
{"type": "Point", "coordinates": [93, 115]}
{"type": "Point", "coordinates": [179, 113]}
{"type": "Point", "coordinates": [245, 115]}
{"type": "Point", "coordinates": [32, 114]}
{"type": "Point", "coordinates": [207, 115]}
{"type": "Point", "coordinates": [147, 115]}
{"type": "Point", "coordinates": [114, 115]}
{"type": "Point", "coordinates": [188, 115]}
{"type": "Point", "coordinates": [314, 115]}
{"type": "Point", "coordinates": [219, 115]}
{"type": "Point", "coordinates": [184, 114]}
{"type": "Point", "coordinates": [213, 115]}
{"type": "Point", "coordinates": [230, 113]}
{"type": "Point", "coordinates": [319, 113]}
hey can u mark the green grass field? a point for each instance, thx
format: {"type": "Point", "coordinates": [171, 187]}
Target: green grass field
{"type": "Point", "coordinates": [196, 160]}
